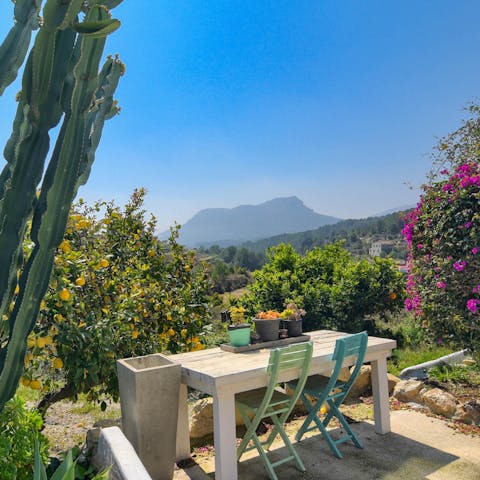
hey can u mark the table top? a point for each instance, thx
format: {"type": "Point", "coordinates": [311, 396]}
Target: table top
{"type": "Point", "coordinates": [211, 368]}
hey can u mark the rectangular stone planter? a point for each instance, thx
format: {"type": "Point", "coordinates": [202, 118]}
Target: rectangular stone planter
{"type": "Point", "coordinates": [149, 394]}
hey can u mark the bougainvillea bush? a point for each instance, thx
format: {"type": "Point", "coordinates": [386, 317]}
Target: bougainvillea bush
{"type": "Point", "coordinates": [115, 292]}
{"type": "Point", "coordinates": [443, 237]}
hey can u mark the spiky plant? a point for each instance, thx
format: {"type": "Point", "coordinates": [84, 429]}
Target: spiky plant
{"type": "Point", "coordinates": [61, 83]}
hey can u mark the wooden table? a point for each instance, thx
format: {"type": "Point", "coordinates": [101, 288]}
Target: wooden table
{"type": "Point", "coordinates": [223, 374]}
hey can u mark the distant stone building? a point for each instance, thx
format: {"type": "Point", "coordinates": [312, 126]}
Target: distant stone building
{"type": "Point", "coordinates": [380, 247]}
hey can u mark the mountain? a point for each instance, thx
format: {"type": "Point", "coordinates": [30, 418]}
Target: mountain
{"type": "Point", "coordinates": [232, 226]}
{"type": "Point", "coordinates": [403, 208]}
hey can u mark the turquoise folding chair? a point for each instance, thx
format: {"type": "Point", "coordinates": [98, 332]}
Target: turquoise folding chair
{"type": "Point", "coordinates": [332, 391]}
{"type": "Point", "coordinates": [270, 402]}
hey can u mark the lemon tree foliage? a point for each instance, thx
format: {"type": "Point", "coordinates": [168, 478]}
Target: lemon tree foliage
{"type": "Point", "coordinates": [336, 290]}
{"type": "Point", "coordinates": [115, 292]}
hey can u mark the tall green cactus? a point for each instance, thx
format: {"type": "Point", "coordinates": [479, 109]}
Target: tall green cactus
{"type": "Point", "coordinates": [61, 81]}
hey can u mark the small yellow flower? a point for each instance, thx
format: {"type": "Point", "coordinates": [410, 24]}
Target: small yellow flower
{"type": "Point", "coordinates": [104, 263]}
{"type": "Point", "coordinates": [80, 281]}
{"type": "Point", "coordinates": [171, 332]}
{"type": "Point", "coordinates": [40, 342]}
{"type": "Point", "coordinates": [17, 289]}
{"type": "Point", "coordinates": [25, 382]}
{"type": "Point", "coordinates": [135, 334]}
{"type": "Point", "coordinates": [64, 294]}
{"type": "Point", "coordinates": [42, 305]}
{"type": "Point", "coordinates": [169, 316]}
{"type": "Point", "coordinates": [151, 253]}
{"type": "Point", "coordinates": [393, 296]}
{"type": "Point", "coordinates": [31, 342]}
{"type": "Point", "coordinates": [82, 324]}
{"type": "Point", "coordinates": [183, 333]}
{"type": "Point", "coordinates": [58, 317]}
{"type": "Point", "coordinates": [48, 340]}
{"type": "Point", "coordinates": [187, 268]}
{"type": "Point", "coordinates": [57, 363]}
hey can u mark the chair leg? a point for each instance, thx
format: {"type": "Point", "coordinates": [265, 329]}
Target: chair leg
{"type": "Point", "coordinates": [346, 426]}
{"type": "Point", "coordinates": [251, 427]}
{"type": "Point", "coordinates": [287, 443]}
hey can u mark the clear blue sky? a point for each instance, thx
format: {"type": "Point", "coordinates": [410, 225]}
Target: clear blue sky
{"type": "Point", "coordinates": [237, 102]}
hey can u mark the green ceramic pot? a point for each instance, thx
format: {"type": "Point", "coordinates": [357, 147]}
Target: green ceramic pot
{"type": "Point", "coordinates": [239, 335]}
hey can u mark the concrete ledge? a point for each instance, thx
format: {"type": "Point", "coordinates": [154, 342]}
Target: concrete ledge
{"type": "Point", "coordinates": [115, 451]}
{"type": "Point", "coordinates": [420, 371]}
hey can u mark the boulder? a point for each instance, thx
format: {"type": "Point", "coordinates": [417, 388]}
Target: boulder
{"type": "Point", "coordinates": [201, 418]}
{"type": "Point", "coordinates": [363, 382]}
{"type": "Point", "coordinates": [392, 382]}
{"type": "Point", "coordinates": [468, 413]}
{"type": "Point", "coordinates": [408, 391]}
{"type": "Point", "coordinates": [440, 402]}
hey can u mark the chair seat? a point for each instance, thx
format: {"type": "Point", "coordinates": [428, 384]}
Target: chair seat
{"type": "Point", "coordinates": [316, 384]}
{"type": "Point", "coordinates": [253, 398]}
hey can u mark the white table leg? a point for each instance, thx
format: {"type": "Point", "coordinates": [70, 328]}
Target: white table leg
{"type": "Point", "coordinates": [224, 435]}
{"type": "Point", "coordinates": [183, 432]}
{"type": "Point", "coordinates": [381, 406]}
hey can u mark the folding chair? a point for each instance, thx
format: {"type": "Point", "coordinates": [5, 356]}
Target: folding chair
{"type": "Point", "coordinates": [333, 391]}
{"type": "Point", "coordinates": [270, 402]}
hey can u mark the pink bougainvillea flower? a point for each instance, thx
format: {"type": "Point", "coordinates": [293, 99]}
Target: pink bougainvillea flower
{"type": "Point", "coordinates": [420, 246]}
{"type": "Point", "coordinates": [439, 341]}
{"type": "Point", "coordinates": [459, 266]}
{"type": "Point", "coordinates": [475, 250]}
{"type": "Point", "coordinates": [468, 224]}
{"type": "Point", "coordinates": [441, 284]}
{"type": "Point", "coordinates": [472, 305]}
{"type": "Point", "coordinates": [447, 187]}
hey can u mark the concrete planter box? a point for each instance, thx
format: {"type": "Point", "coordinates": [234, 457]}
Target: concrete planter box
{"type": "Point", "coordinates": [149, 395]}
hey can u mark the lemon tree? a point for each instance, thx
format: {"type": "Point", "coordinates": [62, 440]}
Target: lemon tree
{"type": "Point", "coordinates": [115, 292]}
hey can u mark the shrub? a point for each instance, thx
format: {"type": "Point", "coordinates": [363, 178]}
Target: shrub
{"type": "Point", "coordinates": [19, 429]}
{"type": "Point", "coordinates": [443, 237]}
{"type": "Point", "coordinates": [336, 290]}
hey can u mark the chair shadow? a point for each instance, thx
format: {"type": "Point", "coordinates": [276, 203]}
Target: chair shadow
{"type": "Point", "coordinates": [387, 457]}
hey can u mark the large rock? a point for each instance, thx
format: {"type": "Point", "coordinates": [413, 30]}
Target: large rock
{"type": "Point", "coordinates": [363, 382]}
{"type": "Point", "coordinates": [408, 391]}
{"type": "Point", "coordinates": [201, 418]}
{"type": "Point", "coordinates": [392, 382]}
{"type": "Point", "coordinates": [468, 413]}
{"type": "Point", "coordinates": [440, 402]}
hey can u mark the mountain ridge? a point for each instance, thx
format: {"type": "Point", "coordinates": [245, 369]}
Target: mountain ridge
{"type": "Point", "coordinates": [243, 223]}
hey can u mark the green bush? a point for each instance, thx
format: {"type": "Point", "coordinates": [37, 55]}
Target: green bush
{"type": "Point", "coordinates": [337, 291]}
{"type": "Point", "coordinates": [19, 429]}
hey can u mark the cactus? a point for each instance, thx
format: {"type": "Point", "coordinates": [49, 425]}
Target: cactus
{"type": "Point", "coordinates": [61, 82]}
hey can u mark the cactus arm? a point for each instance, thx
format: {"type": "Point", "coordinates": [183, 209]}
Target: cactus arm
{"type": "Point", "coordinates": [15, 46]}
{"type": "Point", "coordinates": [51, 212]}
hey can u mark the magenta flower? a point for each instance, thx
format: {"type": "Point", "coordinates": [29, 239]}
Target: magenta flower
{"type": "Point", "coordinates": [475, 250]}
{"type": "Point", "coordinates": [468, 224]}
{"type": "Point", "coordinates": [441, 284]}
{"type": "Point", "coordinates": [420, 246]}
{"type": "Point", "coordinates": [459, 266]}
{"type": "Point", "coordinates": [472, 305]}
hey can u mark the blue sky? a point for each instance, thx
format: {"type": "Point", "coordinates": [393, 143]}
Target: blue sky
{"type": "Point", "coordinates": [237, 102]}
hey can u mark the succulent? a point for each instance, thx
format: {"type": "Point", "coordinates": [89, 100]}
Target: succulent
{"type": "Point", "coordinates": [61, 83]}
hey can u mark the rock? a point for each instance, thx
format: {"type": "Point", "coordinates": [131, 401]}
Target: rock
{"type": "Point", "coordinates": [363, 382]}
{"type": "Point", "coordinates": [392, 382]}
{"type": "Point", "coordinates": [440, 402]}
{"type": "Point", "coordinates": [201, 418]}
{"type": "Point", "coordinates": [408, 391]}
{"type": "Point", "coordinates": [468, 413]}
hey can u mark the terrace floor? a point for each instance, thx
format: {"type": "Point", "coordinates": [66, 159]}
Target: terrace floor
{"type": "Point", "coordinates": [418, 447]}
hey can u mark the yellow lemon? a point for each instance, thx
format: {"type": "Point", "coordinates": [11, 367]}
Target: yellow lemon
{"type": "Point", "coordinates": [80, 281]}
{"type": "Point", "coordinates": [65, 246]}
{"type": "Point", "coordinates": [40, 342]}
{"type": "Point", "coordinates": [35, 385]}
{"type": "Point", "coordinates": [171, 332]}
{"type": "Point", "coordinates": [31, 342]}
{"type": "Point", "coordinates": [25, 382]}
{"type": "Point", "coordinates": [187, 268]}
{"type": "Point", "coordinates": [57, 363]}
{"type": "Point", "coordinates": [183, 333]}
{"type": "Point", "coordinates": [104, 263]}
{"type": "Point", "coordinates": [64, 294]}
{"type": "Point", "coordinates": [135, 334]}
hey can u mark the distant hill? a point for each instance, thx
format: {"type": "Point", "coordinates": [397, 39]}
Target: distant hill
{"type": "Point", "coordinates": [233, 226]}
{"type": "Point", "coordinates": [403, 208]}
{"type": "Point", "coordinates": [358, 235]}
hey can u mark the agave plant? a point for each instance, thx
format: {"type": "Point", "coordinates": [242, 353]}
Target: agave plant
{"type": "Point", "coordinates": [61, 83]}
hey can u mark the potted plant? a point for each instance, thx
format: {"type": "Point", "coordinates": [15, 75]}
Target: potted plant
{"type": "Point", "coordinates": [292, 318]}
{"type": "Point", "coordinates": [238, 329]}
{"type": "Point", "coordinates": [267, 325]}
